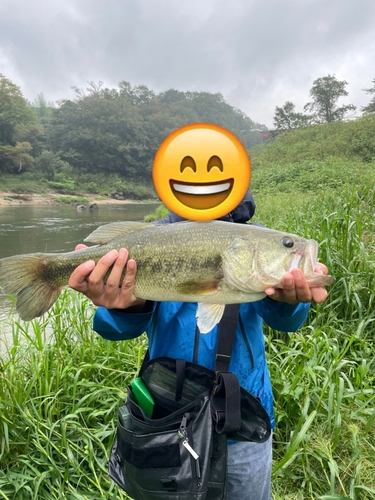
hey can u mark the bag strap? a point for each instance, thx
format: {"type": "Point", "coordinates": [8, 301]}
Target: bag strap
{"type": "Point", "coordinates": [226, 393]}
{"type": "Point", "coordinates": [227, 333]}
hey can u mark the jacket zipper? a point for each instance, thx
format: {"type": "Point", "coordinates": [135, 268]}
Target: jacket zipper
{"type": "Point", "coordinates": [246, 340]}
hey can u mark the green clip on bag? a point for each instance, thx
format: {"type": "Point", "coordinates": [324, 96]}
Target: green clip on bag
{"type": "Point", "coordinates": [175, 447]}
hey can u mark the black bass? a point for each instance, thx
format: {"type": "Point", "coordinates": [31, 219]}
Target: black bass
{"type": "Point", "coordinates": [213, 263]}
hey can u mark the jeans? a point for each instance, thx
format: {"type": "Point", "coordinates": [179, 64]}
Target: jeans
{"type": "Point", "coordinates": [249, 470]}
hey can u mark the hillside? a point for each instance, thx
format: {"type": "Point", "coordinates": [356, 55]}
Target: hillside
{"type": "Point", "coordinates": [317, 158]}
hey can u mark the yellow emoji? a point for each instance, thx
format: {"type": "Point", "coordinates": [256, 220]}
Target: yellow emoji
{"type": "Point", "coordinates": [201, 171]}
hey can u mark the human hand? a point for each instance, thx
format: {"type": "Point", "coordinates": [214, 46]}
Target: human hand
{"type": "Point", "coordinates": [115, 293]}
{"type": "Point", "coordinates": [296, 289]}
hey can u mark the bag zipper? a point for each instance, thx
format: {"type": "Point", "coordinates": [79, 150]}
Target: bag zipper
{"type": "Point", "coordinates": [183, 435]}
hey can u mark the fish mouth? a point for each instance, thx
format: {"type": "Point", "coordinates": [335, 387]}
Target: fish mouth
{"type": "Point", "coordinates": [295, 261]}
{"type": "Point", "coordinates": [305, 259]}
{"type": "Point", "coordinates": [201, 196]}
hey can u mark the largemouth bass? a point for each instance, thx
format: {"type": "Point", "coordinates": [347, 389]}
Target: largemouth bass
{"type": "Point", "coordinates": [213, 263]}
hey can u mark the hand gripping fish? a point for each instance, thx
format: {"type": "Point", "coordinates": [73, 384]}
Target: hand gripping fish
{"type": "Point", "coordinates": [212, 263]}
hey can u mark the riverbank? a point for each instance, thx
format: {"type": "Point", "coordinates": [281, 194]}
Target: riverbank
{"type": "Point", "coordinates": [9, 198]}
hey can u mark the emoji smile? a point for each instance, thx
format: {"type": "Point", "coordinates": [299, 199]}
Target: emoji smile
{"type": "Point", "coordinates": [201, 195]}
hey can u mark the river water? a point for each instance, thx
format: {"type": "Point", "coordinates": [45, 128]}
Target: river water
{"type": "Point", "coordinates": [54, 228]}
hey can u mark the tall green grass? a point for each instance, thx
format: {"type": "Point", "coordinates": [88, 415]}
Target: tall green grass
{"type": "Point", "coordinates": [323, 375]}
{"type": "Point", "coordinates": [60, 383]}
{"type": "Point", "coordinates": [60, 387]}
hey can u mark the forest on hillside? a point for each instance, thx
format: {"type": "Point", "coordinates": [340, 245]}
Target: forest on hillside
{"type": "Point", "coordinates": [103, 133]}
{"type": "Point", "coordinates": [104, 140]}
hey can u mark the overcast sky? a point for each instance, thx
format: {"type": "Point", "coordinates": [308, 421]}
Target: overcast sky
{"type": "Point", "coordinates": [258, 54]}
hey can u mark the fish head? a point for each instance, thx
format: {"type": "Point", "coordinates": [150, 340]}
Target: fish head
{"type": "Point", "coordinates": [259, 260]}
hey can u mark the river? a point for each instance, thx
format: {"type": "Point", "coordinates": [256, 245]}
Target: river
{"type": "Point", "coordinates": [55, 228]}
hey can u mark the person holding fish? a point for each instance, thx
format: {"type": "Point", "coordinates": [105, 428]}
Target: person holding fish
{"type": "Point", "coordinates": [171, 325]}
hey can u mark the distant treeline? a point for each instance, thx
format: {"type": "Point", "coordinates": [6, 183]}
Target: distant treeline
{"type": "Point", "coordinates": [104, 140]}
{"type": "Point", "coordinates": [103, 133]}
{"type": "Point", "coordinates": [323, 107]}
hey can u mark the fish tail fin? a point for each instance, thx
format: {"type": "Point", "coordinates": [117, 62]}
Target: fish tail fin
{"type": "Point", "coordinates": [22, 277]}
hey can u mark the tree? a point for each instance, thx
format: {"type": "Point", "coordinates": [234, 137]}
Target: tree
{"type": "Point", "coordinates": [119, 131]}
{"type": "Point", "coordinates": [286, 118]}
{"type": "Point", "coordinates": [15, 115]}
{"type": "Point", "coordinates": [325, 92]}
{"type": "Point", "coordinates": [99, 133]}
{"type": "Point", "coordinates": [18, 155]}
{"type": "Point", "coordinates": [18, 130]}
{"type": "Point", "coordinates": [370, 108]}
{"type": "Point", "coordinates": [42, 108]}
{"type": "Point", "coordinates": [138, 95]}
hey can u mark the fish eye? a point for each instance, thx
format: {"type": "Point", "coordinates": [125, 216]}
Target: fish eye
{"type": "Point", "coordinates": [287, 242]}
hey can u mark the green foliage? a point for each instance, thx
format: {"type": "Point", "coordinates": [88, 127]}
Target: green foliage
{"type": "Point", "coordinates": [42, 108]}
{"type": "Point", "coordinates": [59, 391]}
{"type": "Point", "coordinates": [130, 190]}
{"type": "Point", "coordinates": [370, 108]}
{"type": "Point", "coordinates": [160, 213]}
{"type": "Point", "coordinates": [354, 140]}
{"type": "Point", "coordinates": [323, 376]}
{"type": "Point", "coordinates": [92, 187]}
{"type": "Point", "coordinates": [325, 92]}
{"type": "Point", "coordinates": [15, 116]}
{"type": "Point", "coordinates": [51, 165]}
{"type": "Point", "coordinates": [286, 118]}
{"type": "Point", "coordinates": [61, 183]}
{"type": "Point", "coordinates": [119, 131]}
{"type": "Point", "coordinates": [312, 176]}
{"type": "Point", "coordinates": [104, 132]}
{"type": "Point", "coordinates": [17, 128]}
{"type": "Point", "coordinates": [69, 200]}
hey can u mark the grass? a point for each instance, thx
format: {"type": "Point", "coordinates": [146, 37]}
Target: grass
{"type": "Point", "coordinates": [60, 383]}
{"type": "Point", "coordinates": [60, 388]}
{"type": "Point", "coordinates": [159, 213]}
{"type": "Point", "coordinates": [323, 375]}
{"type": "Point", "coordinates": [71, 199]}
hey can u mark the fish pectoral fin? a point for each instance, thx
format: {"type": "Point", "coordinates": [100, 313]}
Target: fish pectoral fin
{"type": "Point", "coordinates": [208, 315]}
{"type": "Point", "coordinates": [198, 287]}
{"type": "Point", "coordinates": [104, 234]}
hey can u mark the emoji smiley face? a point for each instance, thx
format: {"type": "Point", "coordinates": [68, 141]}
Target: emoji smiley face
{"type": "Point", "coordinates": [201, 171]}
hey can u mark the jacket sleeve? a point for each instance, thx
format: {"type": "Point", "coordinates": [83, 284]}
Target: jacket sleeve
{"type": "Point", "coordinates": [120, 325]}
{"type": "Point", "coordinates": [282, 316]}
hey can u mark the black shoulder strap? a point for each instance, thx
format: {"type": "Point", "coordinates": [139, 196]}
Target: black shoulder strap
{"type": "Point", "coordinates": [227, 327]}
{"type": "Point", "coordinates": [227, 333]}
{"type": "Point", "coordinates": [226, 393]}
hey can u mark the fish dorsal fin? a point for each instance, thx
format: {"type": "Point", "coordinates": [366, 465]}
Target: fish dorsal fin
{"type": "Point", "coordinates": [104, 234]}
{"type": "Point", "coordinates": [208, 315]}
{"type": "Point", "coordinates": [239, 266]}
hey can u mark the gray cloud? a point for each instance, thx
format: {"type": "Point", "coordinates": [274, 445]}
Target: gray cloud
{"type": "Point", "coordinates": [257, 54]}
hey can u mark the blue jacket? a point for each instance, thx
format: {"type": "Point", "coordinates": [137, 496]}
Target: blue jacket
{"type": "Point", "coordinates": [171, 332]}
{"type": "Point", "coordinates": [171, 327]}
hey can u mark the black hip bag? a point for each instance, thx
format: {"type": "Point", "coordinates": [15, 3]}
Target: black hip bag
{"type": "Point", "coordinates": [179, 451]}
